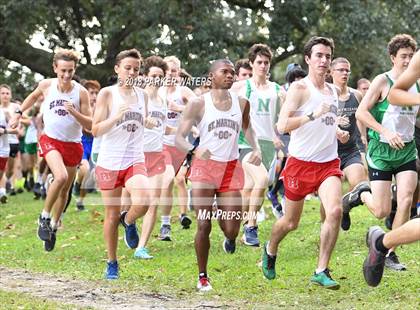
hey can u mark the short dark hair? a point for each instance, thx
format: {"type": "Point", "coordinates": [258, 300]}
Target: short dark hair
{"type": "Point", "coordinates": [259, 49]}
{"type": "Point", "coordinates": [401, 41]}
{"type": "Point", "coordinates": [242, 63]}
{"type": "Point", "coordinates": [218, 62]}
{"type": "Point", "coordinates": [155, 61]}
{"type": "Point", "coordinates": [294, 74]}
{"type": "Point", "coordinates": [132, 53]}
{"type": "Point", "coordinates": [307, 49]}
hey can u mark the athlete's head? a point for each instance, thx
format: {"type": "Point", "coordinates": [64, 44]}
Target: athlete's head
{"type": "Point", "coordinates": [174, 67]}
{"type": "Point", "coordinates": [222, 73]}
{"type": "Point", "coordinates": [64, 64]}
{"type": "Point", "coordinates": [401, 49]}
{"type": "Point", "coordinates": [340, 70]}
{"type": "Point", "coordinates": [93, 88]}
{"type": "Point", "coordinates": [127, 66]}
{"type": "Point", "coordinates": [295, 74]}
{"type": "Point", "coordinates": [5, 94]}
{"type": "Point", "coordinates": [155, 68]}
{"type": "Point", "coordinates": [243, 69]}
{"type": "Point", "coordinates": [318, 53]}
{"type": "Point", "coordinates": [259, 56]}
{"type": "Point", "coordinates": [363, 85]}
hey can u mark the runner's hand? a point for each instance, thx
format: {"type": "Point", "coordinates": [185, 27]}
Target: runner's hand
{"type": "Point", "coordinates": [69, 107]}
{"type": "Point", "coordinates": [150, 122]}
{"type": "Point", "coordinates": [343, 136]}
{"type": "Point", "coordinates": [255, 158]}
{"type": "Point", "coordinates": [394, 139]}
{"type": "Point", "coordinates": [14, 121]}
{"type": "Point", "coordinates": [202, 153]}
{"type": "Point", "coordinates": [324, 108]}
{"type": "Point", "coordinates": [125, 107]}
{"type": "Point", "coordinates": [343, 121]}
{"type": "Point", "coordinates": [277, 143]}
{"type": "Point", "coordinates": [195, 132]}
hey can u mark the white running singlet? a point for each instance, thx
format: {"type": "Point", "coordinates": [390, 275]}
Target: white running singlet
{"type": "Point", "coordinates": [219, 130]}
{"type": "Point", "coordinates": [172, 116]}
{"type": "Point", "coordinates": [153, 138]}
{"type": "Point", "coordinates": [122, 146]}
{"type": "Point", "coordinates": [58, 123]}
{"type": "Point", "coordinates": [316, 140]}
{"type": "Point", "coordinates": [4, 143]}
{"type": "Point", "coordinates": [263, 111]}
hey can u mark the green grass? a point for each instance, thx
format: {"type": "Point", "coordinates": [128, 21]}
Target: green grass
{"type": "Point", "coordinates": [10, 300]}
{"type": "Point", "coordinates": [237, 279]}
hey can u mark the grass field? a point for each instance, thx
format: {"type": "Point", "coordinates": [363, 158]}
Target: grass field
{"type": "Point", "coordinates": [236, 279]}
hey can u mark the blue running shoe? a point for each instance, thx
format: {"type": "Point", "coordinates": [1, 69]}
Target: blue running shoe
{"type": "Point", "coordinates": [142, 253]}
{"type": "Point", "coordinates": [250, 236]}
{"type": "Point", "coordinates": [273, 198]}
{"type": "Point", "coordinates": [229, 246]}
{"type": "Point", "coordinates": [111, 272]}
{"type": "Point", "coordinates": [131, 236]}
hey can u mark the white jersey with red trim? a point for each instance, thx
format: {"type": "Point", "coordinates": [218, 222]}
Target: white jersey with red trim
{"type": "Point", "coordinates": [58, 123]}
{"type": "Point", "coordinates": [173, 117]}
{"type": "Point", "coordinates": [316, 140]}
{"type": "Point", "coordinates": [153, 138]}
{"type": "Point", "coordinates": [219, 130]}
{"type": "Point", "coordinates": [4, 143]}
{"type": "Point", "coordinates": [122, 146]}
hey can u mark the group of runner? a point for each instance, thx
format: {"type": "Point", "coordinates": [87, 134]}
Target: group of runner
{"type": "Point", "coordinates": [232, 138]}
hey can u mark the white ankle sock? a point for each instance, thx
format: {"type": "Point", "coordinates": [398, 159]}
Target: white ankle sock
{"type": "Point", "coordinates": [166, 219]}
{"type": "Point", "coordinates": [45, 214]}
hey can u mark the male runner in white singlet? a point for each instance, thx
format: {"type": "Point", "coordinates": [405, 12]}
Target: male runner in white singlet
{"type": "Point", "coordinates": [220, 115]}
{"type": "Point", "coordinates": [66, 111]}
{"type": "Point", "coordinates": [119, 118]}
{"type": "Point", "coordinates": [309, 114]}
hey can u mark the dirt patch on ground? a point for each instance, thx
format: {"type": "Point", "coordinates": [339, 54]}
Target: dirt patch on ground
{"type": "Point", "coordinates": [101, 295]}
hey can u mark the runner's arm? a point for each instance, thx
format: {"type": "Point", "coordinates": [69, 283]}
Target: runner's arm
{"type": "Point", "coordinates": [84, 117]}
{"type": "Point", "coordinates": [399, 94]}
{"type": "Point", "coordinates": [101, 123]}
{"type": "Point", "coordinates": [249, 133]}
{"type": "Point", "coordinates": [368, 102]}
{"type": "Point", "coordinates": [287, 121]}
{"type": "Point", "coordinates": [29, 101]}
{"type": "Point", "coordinates": [360, 125]}
{"type": "Point", "coordinates": [192, 114]}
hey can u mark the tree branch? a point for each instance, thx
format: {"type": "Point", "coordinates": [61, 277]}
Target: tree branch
{"type": "Point", "coordinates": [248, 4]}
{"type": "Point", "coordinates": [35, 59]}
{"type": "Point", "coordinates": [80, 29]}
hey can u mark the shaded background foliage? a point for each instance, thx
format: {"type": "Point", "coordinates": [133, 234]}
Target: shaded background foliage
{"type": "Point", "coordinates": [197, 31]}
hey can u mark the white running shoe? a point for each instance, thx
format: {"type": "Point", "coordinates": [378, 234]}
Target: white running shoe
{"type": "Point", "coordinates": [203, 285]}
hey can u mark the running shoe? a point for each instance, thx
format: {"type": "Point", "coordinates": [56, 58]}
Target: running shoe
{"type": "Point", "coordinates": [131, 236]}
{"type": "Point", "coordinates": [142, 253]}
{"type": "Point", "coordinates": [203, 284]}
{"type": "Point", "coordinates": [373, 266]}
{"type": "Point", "coordinates": [250, 236]}
{"type": "Point", "coordinates": [268, 264]}
{"type": "Point", "coordinates": [229, 246]}
{"type": "Point", "coordinates": [165, 233]}
{"type": "Point", "coordinates": [50, 244]}
{"type": "Point", "coordinates": [185, 221]}
{"type": "Point", "coordinates": [111, 272]}
{"type": "Point", "coordinates": [44, 228]}
{"type": "Point", "coordinates": [324, 279]}
{"type": "Point", "coordinates": [392, 262]}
